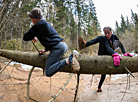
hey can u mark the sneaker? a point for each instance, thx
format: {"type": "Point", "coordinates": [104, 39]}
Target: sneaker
{"type": "Point", "coordinates": [99, 90]}
{"type": "Point", "coordinates": [73, 60]}
{"type": "Point", "coordinates": [82, 43]}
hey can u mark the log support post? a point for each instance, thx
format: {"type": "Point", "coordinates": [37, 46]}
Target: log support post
{"type": "Point", "coordinates": [5, 66]}
{"type": "Point", "coordinates": [77, 87]}
{"type": "Point", "coordinates": [28, 83]}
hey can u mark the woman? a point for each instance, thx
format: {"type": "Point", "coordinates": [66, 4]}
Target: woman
{"type": "Point", "coordinates": [107, 45]}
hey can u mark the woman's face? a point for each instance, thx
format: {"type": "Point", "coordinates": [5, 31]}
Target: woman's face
{"type": "Point", "coordinates": [107, 33]}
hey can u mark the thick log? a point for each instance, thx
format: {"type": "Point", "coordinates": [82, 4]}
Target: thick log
{"type": "Point", "coordinates": [88, 64]}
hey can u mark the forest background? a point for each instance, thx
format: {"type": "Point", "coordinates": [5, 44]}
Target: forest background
{"type": "Point", "coordinates": [70, 18]}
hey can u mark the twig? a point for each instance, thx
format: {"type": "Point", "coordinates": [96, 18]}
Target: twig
{"type": "Point", "coordinates": [28, 82]}
{"type": "Point", "coordinates": [14, 84]}
{"type": "Point", "coordinates": [10, 75]}
{"type": "Point", "coordinates": [125, 90]}
{"type": "Point", "coordinates": [78, 76]}
{"type": "Point", "coordinates": [129, 72]}
{"type": "Point", "coordinates": [37, 91]}
{"type": "Point", "coordinates": [33, 99]}
{"type": "Point", "coordinates": [36, 48]}
{"type": "Point", "coordinates": [5, 66]}
{"type": "Point", "coordinates": [61, 89]}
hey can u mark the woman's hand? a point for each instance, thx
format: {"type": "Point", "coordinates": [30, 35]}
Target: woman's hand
{"type": "Point", "coordinates": [116, 59]}
{"type": "Point", "coordinates": [127, 54]}
{"type": "Point", "coordinates": [42, 51]}
{"type": "Point", "coordinates": [35, 39]}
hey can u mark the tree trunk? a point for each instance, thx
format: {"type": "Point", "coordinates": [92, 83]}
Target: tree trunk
{"type": "Point", "coordinates": [88, 64]}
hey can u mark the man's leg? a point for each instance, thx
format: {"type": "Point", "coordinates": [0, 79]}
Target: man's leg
{"type": "Point", "coordinates": [53, 65]}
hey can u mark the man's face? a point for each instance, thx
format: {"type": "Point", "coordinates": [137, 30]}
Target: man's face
{"type": "Point", "coordinates": [34, 20]}
{"type": "Point", "coordinates": [107, 33]}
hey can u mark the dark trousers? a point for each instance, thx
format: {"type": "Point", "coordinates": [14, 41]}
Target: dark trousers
{"type": "Point", "coordinates": [101, 80]}
{"type": "Point", "coordinates": [53, 65]}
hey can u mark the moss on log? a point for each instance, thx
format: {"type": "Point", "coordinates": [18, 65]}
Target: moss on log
{"type": "Point", "coordinates": [88, 64]}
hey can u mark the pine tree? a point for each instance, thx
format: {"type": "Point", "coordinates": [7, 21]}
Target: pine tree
{"type": "Point", "coordinates": [117, 29]}
{"type": "Point", "coordinates": [123, 24]}
{"type": "Point", "coordinates": [93, 17]}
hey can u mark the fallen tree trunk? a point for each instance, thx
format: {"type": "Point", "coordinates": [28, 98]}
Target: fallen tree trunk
{"type": "Point", "coordinates": [88, 64]}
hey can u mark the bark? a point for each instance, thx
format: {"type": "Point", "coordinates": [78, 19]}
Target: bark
{"type": "Point", "coordinates": [88, 64]}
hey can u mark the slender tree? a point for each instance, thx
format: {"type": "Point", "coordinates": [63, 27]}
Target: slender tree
{"type": "Point", "coordinates": [123, 24]}
{"type": "Point", "coordinates": [117, 29]}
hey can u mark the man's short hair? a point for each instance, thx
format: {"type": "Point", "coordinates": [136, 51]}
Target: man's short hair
{"type": "Point", "coordinates": [35, 13]}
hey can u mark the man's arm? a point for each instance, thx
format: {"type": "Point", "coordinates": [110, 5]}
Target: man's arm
{"type": "Point", "coordinates": [31, 33]}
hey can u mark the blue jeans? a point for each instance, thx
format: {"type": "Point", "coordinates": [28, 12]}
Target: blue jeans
{"type": "Point", "coordinates": [53, 65]}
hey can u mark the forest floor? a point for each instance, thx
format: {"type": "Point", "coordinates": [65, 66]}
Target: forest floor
{"type": "Point", "coordinates": [13, 87]}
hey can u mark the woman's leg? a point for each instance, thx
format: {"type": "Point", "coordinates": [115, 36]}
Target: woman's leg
{"type": "Point", "coordinates": [101, 81]}
{"type": "Point", "coordinates": [53, 65]}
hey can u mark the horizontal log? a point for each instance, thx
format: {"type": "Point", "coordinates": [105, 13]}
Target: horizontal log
{"type": "Point", "coordinates": [88, 64]}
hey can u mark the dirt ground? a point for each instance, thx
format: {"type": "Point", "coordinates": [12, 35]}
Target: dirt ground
{"type": "Point", "coordinates": [13, 86]}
